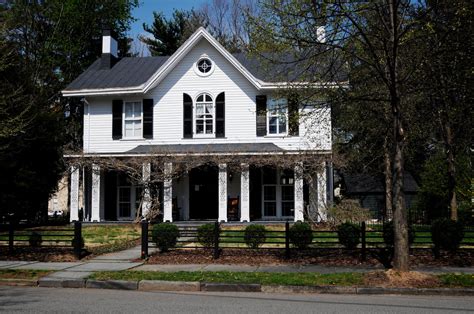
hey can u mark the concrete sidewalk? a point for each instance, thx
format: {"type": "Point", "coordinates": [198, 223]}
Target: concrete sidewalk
{"type": "Point", "coordinates": [125, 260]}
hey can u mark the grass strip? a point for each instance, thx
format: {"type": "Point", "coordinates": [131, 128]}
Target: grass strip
{"type": "Point", "coordinates": [457, 280]}
{"type": "Point", "coordinates": [264, 278]}
{"type": "Point", "coordinates": [22, 274]}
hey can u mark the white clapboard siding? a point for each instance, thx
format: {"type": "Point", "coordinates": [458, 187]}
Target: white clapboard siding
{"type": "Point", "coordinates": [240, 110]}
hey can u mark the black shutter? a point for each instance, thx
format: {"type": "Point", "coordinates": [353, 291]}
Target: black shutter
{"type": "Point", "coordinates": [147, 118]}
{"type": "Point", "coordinates": [261, 101]}
{"type": "Point", "coordinates": [220, 115]}
{"type": "Point", "coordinates": [293, 116]}
{"type": "Point", "coordinates": [187, 116]}
{"type": "Point", "coordinates": [117, 108]}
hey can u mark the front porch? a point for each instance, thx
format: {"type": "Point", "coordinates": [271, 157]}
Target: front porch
{"type": "Point", "coordinates": [209, 192]}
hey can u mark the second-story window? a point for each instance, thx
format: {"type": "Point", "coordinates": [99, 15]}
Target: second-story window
{"type": "Point", "coordinates": [204, 115]}
{"type": "Point", "coordinates": [277, 117]}
{"type": "Point", "coordinates": [133, 119]}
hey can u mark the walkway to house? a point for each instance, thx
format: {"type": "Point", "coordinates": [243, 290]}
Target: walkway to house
{"type": "Point", "coordinates": [126, 260]}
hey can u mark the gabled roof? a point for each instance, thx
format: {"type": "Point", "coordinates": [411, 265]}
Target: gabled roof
{"type": "Point", "coordinates": [140, 74]}
{"type": "Point", "coordinates": [147, 82]}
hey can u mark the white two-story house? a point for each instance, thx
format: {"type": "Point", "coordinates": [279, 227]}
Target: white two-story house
{"type": "Point", "coordinates": [200, 101]}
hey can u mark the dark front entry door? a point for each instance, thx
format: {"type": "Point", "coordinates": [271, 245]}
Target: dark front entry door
{"type": "Point", "coordinates": [203, 193]}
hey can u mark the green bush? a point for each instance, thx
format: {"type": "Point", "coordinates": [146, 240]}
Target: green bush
{"type": "Point", "coordinates": [81, 244]}
{"type": "Point", "coordinates": [301, 235]}
{"type": "Point", "coordinates": [205, 235]}
{"type": "Point", "coordinates": [35, 239]}
{"type": "Point", "coordinates": [165, 235]}
{"type": "Point", "coordinates": [447, 234]}
{"type": "Point", "coordinates": [389, 234]}
{"type": "Point", "coordinates": [349, 235]}
{"type": "Point", "coordinates": [254, 236]}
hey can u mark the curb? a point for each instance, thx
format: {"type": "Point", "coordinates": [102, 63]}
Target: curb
{"type": "Point", "coordinates": [194, 286]}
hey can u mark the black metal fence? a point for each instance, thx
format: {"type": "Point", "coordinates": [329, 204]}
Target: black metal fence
{"type": "Point", "coordinates": [26, 235]}
{"type": "Point", "coordinates": [371, 237]}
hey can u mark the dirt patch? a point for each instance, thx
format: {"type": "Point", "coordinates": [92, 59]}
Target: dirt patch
{"type": "Point", "coordinates": [409, 279]}
{"type": "Point", "coordinates": [332, 257]}
{"type": "Point", "coordinates": [39, 254]}
{"type": "Point", "coordinates": [256, 258]}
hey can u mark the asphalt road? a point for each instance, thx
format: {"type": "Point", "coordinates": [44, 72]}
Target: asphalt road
{"type": "Point", "coordinates": [52, 300]}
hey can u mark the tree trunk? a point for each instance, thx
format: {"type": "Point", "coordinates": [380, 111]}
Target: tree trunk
{"type": "Point", "coordinates": [450, 159]}
{"type": "Point", "coordinates": [401, 245]}
{"type": "Point", "coordinates": [388, 214]}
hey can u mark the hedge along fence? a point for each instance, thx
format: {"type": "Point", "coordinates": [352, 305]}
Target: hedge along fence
{"type": "Point", "coordinates": [371, 237]}
{"type": "Point", "coordinates": [19, 235]}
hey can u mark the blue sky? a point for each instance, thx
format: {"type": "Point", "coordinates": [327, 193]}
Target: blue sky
{"type": "Point", "coordinates": [144, 13]}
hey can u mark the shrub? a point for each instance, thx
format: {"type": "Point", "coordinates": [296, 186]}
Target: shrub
{"type": "Point", "coordinates": [301, 235]}
{"type": "Point", "coordinates": [165, 235]}
{"type": "Point", "coordinates": [205, 235]}
{"type": "Point", "coordinates": [347, 210]}
{"type": "Point", "coordinates": [447, 234]}
{"type": "Point", "coordinates": [389, 234]}
{"type": "Point", "coordinates": [35, 239]}
{"type": "Point", "coordinates": [254, 236]}
{"type": "Point", "coordinates": [349, 235]}
{"type": "Point", "coordinates": [81, 244]}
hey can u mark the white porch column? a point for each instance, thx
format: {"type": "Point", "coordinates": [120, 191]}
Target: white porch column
{"type": "Point", "coordinates": [168, 193]}
{"type": "Point", "coordinates": [222, 192]}
{"type": "Point", "coordinates": [244, 194]}
{"type": "Point", "coordinates": [95, 209]}
{"type": "Point", "coordinates": [299, 200]}
{"type": "Point", "coordinates": [146, 202]}
{"type": "Point", "coordinates": [322, 199]}
{"type": "Point", "coordinates": [74, 196]}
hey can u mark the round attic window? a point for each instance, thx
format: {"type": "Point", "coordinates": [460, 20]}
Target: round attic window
{"type": "Point", "coordinates": [204, 65]}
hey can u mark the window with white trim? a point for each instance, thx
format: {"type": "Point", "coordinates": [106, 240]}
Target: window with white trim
{"type": "Point", "coordinates": [133, 119]}
{"type": "Point", "coordinates": [277, 117]}
{"type": "Point", "coordinates": [204, 115]}
{"type": "Point", "coordinates": [278, 195]}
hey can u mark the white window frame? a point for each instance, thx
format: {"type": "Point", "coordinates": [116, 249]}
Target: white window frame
{"type": "Point", "coordinates": [278, 197]}
{"type": "Point", "coordinates": [213, 110]}
{"type": "Point", "coordinates": [124, 119]}
{"type": "Point", "coordinates": [134, 196]}
{"type": "Point", "coordinates": [280, 104]}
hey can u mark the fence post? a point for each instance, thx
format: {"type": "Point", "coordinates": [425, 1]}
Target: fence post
{"type": "Point", "coordinates": [216, 240]}
{"type": "Point", "coordinates": [144, 239]}
{"type": "Point", "coordinates": [78, 244]}
{"type": "Point", "coordinates": [11, 236]}
{"type": "Point", "coordinates": [364, 242]}
{"type": "Point", "coordinates": [287, 239]}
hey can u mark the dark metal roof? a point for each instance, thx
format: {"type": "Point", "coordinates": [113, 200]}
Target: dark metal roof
{"type": "Point", "coordinates": [366, 183]}
{"type": "Point", "coordinates": [127, 72]}
{"type": "Point", "coordinates": [206, 148]}
{"type": "Point", "coordinates": [134, 71]}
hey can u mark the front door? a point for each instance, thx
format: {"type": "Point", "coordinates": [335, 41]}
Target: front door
{"type": "Point", "coordinates": [203, 193]}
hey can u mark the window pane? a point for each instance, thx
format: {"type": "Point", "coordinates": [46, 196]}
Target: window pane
{"type": "Point", "coordinates": [287, 208]}
{"type": "Point", "coordinates": [138, 130]}
{"type": "Point", "coordinates": [208, 126]}
{"type": "Point", "coordinates": [124, 210]}
{"type": "Point", "coordinates": [128, 110]}
{"type": "Point", "coordinates": [282, 128]}
{"type": "Point", "coordinates": [199, 109]}
{"type": "Point", "coordinates": [124, 194]}
{"type": "Point", "coordinates": [269, 193]}
{"type": "Point", "coordinates": [199, 127]}
{"type": "Point", "coordinates": [269, 209]}
{"type": "Point", "coordinates": [287, 193]}
{"type": "Point", "coordinates": [200, 98]}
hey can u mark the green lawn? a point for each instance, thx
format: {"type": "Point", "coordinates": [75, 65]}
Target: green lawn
{"type": "Point", "coordinates": [94, 235]}
{"type": "Point", "coordinates": [22, 274]}
{"type": "Point", "coordinates": [302, 279]}
{"type": "Point", "coordinates": [266, 278]}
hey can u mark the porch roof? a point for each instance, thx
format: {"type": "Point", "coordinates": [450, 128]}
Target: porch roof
{"type": "Point", "coordinates": [224, 148]}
